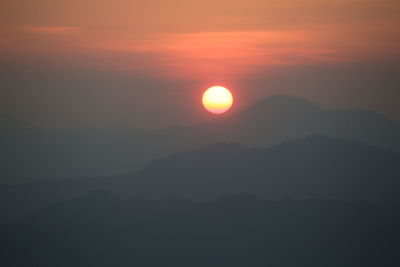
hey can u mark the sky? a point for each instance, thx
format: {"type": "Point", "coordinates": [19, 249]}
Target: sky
{"type": "Point", "coordinates": [102, 63]}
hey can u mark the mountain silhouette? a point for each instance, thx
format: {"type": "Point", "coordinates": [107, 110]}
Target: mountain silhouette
{"type": "Point", "coordinates": [29, 153]}
{"type": "Point", "coordinates": [277, 118]}
{"type": "Point", "coordinates": [314, 167]}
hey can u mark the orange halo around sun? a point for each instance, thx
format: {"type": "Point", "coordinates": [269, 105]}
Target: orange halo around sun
{"type": "Point", "coordinates": [217, 99]}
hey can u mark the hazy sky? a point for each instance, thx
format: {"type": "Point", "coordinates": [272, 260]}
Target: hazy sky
{"type": "Point", "coordinates": [71, 63]}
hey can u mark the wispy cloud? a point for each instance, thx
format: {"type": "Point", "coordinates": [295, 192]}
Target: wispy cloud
{"type": "Point", "coordinates": [51, 30]}
{"type": "Point", "coordinates": [228, 54]}
{"type": "Point", "coordinates": [203, 38]}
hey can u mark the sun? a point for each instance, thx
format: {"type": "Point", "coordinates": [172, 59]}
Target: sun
{"type": "Point", "coordinates": [217, 99]}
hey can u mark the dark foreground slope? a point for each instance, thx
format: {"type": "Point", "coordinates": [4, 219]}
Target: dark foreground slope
{"type": "Point", "coordinates": [314, 167]}
{"type": "Point", "coordinates": [101, 230]}
{"type": "Point", "coordinates": [29, 153]}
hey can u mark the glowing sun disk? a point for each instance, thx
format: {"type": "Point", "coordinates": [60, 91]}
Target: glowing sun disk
{"type": "Point", "coordinates": [217, 99]}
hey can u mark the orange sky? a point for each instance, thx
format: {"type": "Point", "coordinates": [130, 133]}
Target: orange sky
{"type": "Point", "coordinates": [203, 40]}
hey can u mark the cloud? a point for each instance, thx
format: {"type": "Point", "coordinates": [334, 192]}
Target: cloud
{"type": "Point", "coordinates": [230, 54]}
{"type": "Point", "coordinates": [176, 16]}
{"type": "Point", "coordinates": [51, 30]}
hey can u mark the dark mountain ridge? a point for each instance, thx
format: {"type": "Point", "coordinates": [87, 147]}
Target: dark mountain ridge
{"type": "Point", "coordinates": [31, 154]}
{"type": "Point", "coordinates": [314, 167]}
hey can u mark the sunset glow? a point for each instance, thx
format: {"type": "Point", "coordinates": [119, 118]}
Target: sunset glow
{"type": "Point", "coordinates": [217, 99]}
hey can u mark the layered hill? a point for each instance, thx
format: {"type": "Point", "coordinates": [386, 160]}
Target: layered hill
{"type": "Point", "coordinates": [314, 167]}
{"type": "Point", "coordinates": [31, 154]}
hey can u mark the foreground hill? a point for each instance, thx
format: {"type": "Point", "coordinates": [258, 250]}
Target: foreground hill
{"type": "Point", "coordinates": [101, 230]}
{"type": "Point", "coordinates": [314, 167]}
{"type": "Point", "coordinates": [31, 154]}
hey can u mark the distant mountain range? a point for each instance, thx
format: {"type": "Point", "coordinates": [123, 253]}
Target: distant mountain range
{"type": "Point", "coordinates": [98, 229]}
{"type": "Point", "coordinates": [314, 167]}
{"type": "Point", "coordinates": [30, 154]}
{"type": "Point", "coordinates": [272, 120]}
